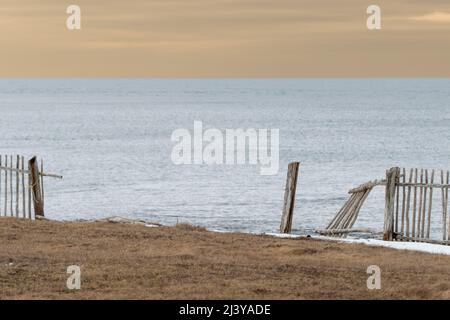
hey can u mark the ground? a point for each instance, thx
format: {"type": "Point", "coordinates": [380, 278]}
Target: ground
{"type": "Point", "coordinates": [126, 261]}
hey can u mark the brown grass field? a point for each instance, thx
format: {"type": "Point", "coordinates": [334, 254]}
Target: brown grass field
{"type": "Point", "coordinates": [125, 261]}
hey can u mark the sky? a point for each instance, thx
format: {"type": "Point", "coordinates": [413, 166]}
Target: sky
{"type": "Point", "coordinates": [225, 38]}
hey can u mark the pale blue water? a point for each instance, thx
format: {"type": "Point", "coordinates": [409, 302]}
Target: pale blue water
{"type": "Point", "coordinates": [111, 141]}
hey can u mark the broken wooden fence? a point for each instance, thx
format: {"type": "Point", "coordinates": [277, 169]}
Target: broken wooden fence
{"type": "Point", "coordinates": [408, 214]}
{"type": "Point", "coordinates": [20, 188]}
{"type": "Point", "coordinates": [343, 222]}
{"type": "Point", "coordinates": [418, 206]}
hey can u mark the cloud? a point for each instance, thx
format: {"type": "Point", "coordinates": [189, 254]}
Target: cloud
{"type": "Point", "coordinates": [436, 17]}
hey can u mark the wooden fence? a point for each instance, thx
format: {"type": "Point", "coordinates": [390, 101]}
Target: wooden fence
{"type": "Point", "coordinates": [409, 214]}
{"type": "Point", "coordinates": [417, 205]}
{"type": "Point", "coordinates": [22, 190]}
{"type": "Point", "coordinates": [343, 222]}
{"type": "Point", "coordinates": [289, 197]}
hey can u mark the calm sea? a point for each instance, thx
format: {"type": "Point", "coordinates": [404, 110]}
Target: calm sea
{"type": "Point", "coordinates": [110, 138]}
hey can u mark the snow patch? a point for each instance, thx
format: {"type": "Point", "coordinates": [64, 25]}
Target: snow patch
{"type": "Point", "coordinates": [414, 246]}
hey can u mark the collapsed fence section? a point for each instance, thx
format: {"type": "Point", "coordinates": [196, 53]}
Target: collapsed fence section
{"type": "Point", "coordinates": [342, 223]}
{"type": "Point", "coordinates": [21, 189]}
{"type": "Point", "coordinates": [411, 213]}
{"type": "Point", "coordinates": [408, 215]}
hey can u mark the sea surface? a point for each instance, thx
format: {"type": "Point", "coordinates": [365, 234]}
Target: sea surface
{"type": "Point", "coordinates": [111, 140]}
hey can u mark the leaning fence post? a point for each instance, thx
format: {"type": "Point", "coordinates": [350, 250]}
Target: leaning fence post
{"type": "Point", "coordinates": [35, 186]}
{"type": "Point", "coordinates": [289, 198]}
{"type": "Point", "coordinates": [392, 176]}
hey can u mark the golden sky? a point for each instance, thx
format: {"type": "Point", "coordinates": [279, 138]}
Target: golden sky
{"type": "Point", "coordinates": [225, 38]}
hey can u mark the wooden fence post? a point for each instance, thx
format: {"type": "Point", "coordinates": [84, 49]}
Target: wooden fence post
{"type": "Point", "coordinates": [38, 203]}
{"type": "Point", "coordinates": [289, 197]}
{"type": "Point", "coordinates": [392, 177]}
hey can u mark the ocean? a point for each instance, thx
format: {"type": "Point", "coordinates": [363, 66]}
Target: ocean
{"type": "Point", "coordinates": [111, 140]}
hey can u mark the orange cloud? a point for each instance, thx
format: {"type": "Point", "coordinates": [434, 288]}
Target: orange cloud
{"type": "Point", "coordinates": [436, 17]}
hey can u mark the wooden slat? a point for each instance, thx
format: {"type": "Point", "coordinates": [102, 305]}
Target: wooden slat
{"type": "Point", "coordinates": [11, 187]}
{"type": "Point", "coordinates": [289, 198]}
{"type": "Point", "coordinates": [36, 188]}
{"type": "Point", "coordinates": [415, 204]}
{"type": "Point", "coordinates": [424, 209]}
{"type": "Point", "coordinates": [430, 206]}
{"type": "Point", "coordinates": [397, 203]}
{"type": "Point", "coordinates": [341, 231]}
{"type": "Point", "coordinates": [444, 219]}
{"type": "Point", "coordinates": [336, 220]}
{"type": "Point", "coordinates": [368, 185]}
{"type": "Point", "coordinates": [30, 216]}
{"type": "Point", "coordinates": [419, 214]}
{"type": "Point", "coordinates": [42, 174]}
{"type": "Point", "coordinates": [358, 208]}
{"type": "Point", "coordinates": [24, 209]}
{"type": "Point", "coordinates": [17, 185]}
{"type": "Point", "coordinates": [408, 202]}
{"type": "Point", "coordinates": [42, 183]}
{"type": "Point", "coordinates": [403, 202]}
{"type": "Point", "coordinates": [392, 176]}
{"type": "Point", "coordinates": [6, 187]}
{"type": "Point", "coordinates": [350, 210]}
{"type": "Point", "coordinates": [446, 206]}
{"type": "Point", "coordinates": [349, 214]}
{"type": "Point", "coordinates": [425, 185]}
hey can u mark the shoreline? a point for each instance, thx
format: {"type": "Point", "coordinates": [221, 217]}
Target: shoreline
{"type": "Point", "coordinates": [133, 261]}
{"type": "Point", "coordinates": [398, 245]}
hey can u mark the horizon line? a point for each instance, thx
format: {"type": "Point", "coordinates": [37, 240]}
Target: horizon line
{"type": "Point", "coordinates": [222, 77]}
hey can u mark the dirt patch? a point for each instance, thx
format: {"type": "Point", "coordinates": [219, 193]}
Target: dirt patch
{"type": "Point", "coordinates": [136, 262]}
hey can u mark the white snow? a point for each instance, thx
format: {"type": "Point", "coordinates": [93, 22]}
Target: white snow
{"type": "Point", "coordinates": [414, 246]}
{"type": "Point", "coordinates": [283, 235]}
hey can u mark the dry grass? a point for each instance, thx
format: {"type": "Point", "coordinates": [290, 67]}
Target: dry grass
{"type": "Point", "coordinates": [184, 262]}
